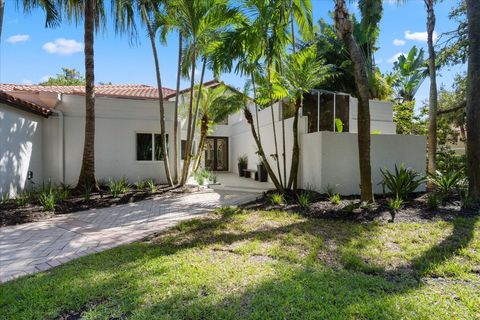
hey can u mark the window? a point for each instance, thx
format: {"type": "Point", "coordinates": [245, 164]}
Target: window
{"type": "Point", "coordinates": [326, 111]}
{"type": "Point", "coordinates": [149, 147]}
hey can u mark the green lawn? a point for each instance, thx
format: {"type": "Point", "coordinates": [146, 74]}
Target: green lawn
{"type": "Point", "coordinates": [258, 265]}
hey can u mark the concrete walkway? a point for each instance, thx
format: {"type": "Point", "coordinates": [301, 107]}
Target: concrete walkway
{"type": "Point", "coordinates": [38, 246]}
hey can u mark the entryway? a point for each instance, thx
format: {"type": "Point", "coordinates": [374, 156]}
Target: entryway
{"type": "Point", "coordinates": [216, 153]}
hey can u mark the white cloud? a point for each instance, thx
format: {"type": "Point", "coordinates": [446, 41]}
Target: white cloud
{"type": "Point", "coordinates": [18, 38]}
{"type": "Point", "coordinates": [399, 42]}
{"type": "Point", "coordinates": [395, 57]}
{"type": "Point", "coordinates": [419, 36]}
{"type": "Point", "coordinates": [63, 47]}
{"type": "Point", "coordinates": [27, 81]}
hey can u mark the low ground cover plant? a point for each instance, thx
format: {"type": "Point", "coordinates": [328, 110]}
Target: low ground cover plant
{"type": "Point", "coordinates": [276, 198]}
{"type": "Point", "coordinates": [118, 187]}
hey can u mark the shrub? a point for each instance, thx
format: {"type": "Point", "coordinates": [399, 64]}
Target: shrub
{"type": "Point", "coordinates": [150, 185]}
{"type": "Point", "coordinates": [87, 192]}
{"type": "Point", "coordinates": [448, 160]}
{"type": "Point", "coordinates": [394, 205]}
{"type": "Point", "coordinates": [141, 185]}
{"type": "Point", "coordinates": [23, 198]}
{"type": "Point", "coordinates": [433, 201]}
{"type": "Point", "coordinates": [402, 182]}
{"type": "Point", "coordinates": [304, 199]}
{"type": "Point", "coordinates": [335, 198]}
{"type": "Point", "coordinates": [203, 174]}
{"type": "Point", "coordinates": [118, 187]}
{"type": "Point", "coordinates": [349, 207]}
{"type": "Point", "coordinates": [47, 200]}
{"type": "Point", "coordinates": [446, 182]}
{"type": "Point", "coordinates": [5, 198]}
{"type": "Point", "coordinates": [62, 193]}
{"type": "Point", "coordinates": [276, 198]}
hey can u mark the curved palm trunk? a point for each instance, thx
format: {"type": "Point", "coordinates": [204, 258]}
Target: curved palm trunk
{"type": "Point", "coordinates": [345, 29]}
{"type": "Point", "coordinates": [163, 136]}
{"type": "Point", "coordinates": [188, 153]}
{"type": "Point", "coordinates": [271, 174]}
{"type": "Point", "coordinates": [175, 116]}
{"type": "Point", "coordinates": [197, 103]}
{"type": "Point", "coordinates": [87, 172]}
{"type": "Point", "coordinates": [293, 180]}
{"type": "Point", "coordinates": [256, 107]}
{"type": "Point", "coordinates": [201, 144]}
{"type": "Point", "coordinates": [433, 99]}
{"type": "Point", "coordinates": [473, 100]}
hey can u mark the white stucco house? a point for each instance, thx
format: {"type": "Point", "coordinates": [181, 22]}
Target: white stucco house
{"type": "Point", "coordinates": [42, 132]}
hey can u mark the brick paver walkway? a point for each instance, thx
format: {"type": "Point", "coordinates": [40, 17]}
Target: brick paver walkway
{"type": "Point", "coordinates": [38, 246]}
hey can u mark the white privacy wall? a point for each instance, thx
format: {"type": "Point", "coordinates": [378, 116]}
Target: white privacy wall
{"type": "Point", "coordinates": [381, 116]}
{"type": "Point", "coordinates": [116, 123]}
{"type": "Point", "coordinates": [331, 159]}
{"type": "Point", "coordinates": [20, 149]}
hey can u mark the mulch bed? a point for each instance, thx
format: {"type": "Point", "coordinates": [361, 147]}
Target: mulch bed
{"type": "Point", "coordinates": [350, 209]}
{"type": "Point", "coordinates": [13, 214]}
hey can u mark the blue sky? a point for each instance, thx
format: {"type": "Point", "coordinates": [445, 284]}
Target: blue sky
{"type": "Point", "coordinates": [29, 52]}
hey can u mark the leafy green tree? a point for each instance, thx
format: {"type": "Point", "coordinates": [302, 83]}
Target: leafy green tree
{"type": "Point", "coordinates": [454, 44]}
{"type": "Point", "coordinates": [216, 104]}
{"type": "Point", "coordinates": [68, 77]}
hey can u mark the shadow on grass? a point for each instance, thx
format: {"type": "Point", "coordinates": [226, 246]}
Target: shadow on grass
{"type": "Point", "coordinates": [124, 278]}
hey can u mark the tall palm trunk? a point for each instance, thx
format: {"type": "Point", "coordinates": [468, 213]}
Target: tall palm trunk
{"type": "Point", "coordinates": [473, 100]}
{"type": "Point", "coordinates": [175, 116]}
{"type": "Point", "coordinates": [433, 99]}
{"type": "Point", "coordinates": [188, 149]}
{"type": "Point", "coordinates": [2, 9]}
{"type": "Point", "coordinates": [256, 107]}
{"type": "Point", "coordinates": [201, 144]}
{"type": "Point", "coordinates": [87, 172]}
{"type": "Point", "coordinates": [292, 182]}
{"type": "Point", "coordinates": [345, 29]}
{"type": "Point", "coordinates": [163, 136]}
{"type": "Point", "coordinates": [278, 185]}
{"type": "Point", "coordinates": [197, 103]}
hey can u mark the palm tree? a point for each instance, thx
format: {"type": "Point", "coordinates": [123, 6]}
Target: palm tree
{"type": "Point", "coordinates": [199, 22]}
{"type": "Point", "coordinates": [473, 100]}
{"type": "Point", "coordinates": [345, 30]}
{"type": "Point", "coordinates": [433, 98]}
{"type": "Point", "coordinates": [215, 106]}
{"type": "Point", "coordinates": [303, 72]}
{"type": "Point", "coordinates": [52, 16]}
{"type": "Point", "coordinates": [93, 14]}
{"type": "Point", "coordinates": [150, 13]}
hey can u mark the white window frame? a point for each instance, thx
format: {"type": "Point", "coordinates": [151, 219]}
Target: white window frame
{"type": "Point", "coordinates": [152, 134]}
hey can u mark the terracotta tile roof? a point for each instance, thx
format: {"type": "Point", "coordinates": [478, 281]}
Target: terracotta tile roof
{"type": "Point", "coordinates": [115, 90]}
{"type": "Point", "coordinates": [7, 98]}
{"type": "Point", "coordinates": [208, 84]}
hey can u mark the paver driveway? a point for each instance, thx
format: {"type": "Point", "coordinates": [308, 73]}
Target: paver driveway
{"type": "Point", "coordinates": [38, 246]}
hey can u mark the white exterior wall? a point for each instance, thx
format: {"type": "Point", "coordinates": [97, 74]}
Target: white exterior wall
{"type": "Point", "coordinates": [20, 149]}
{"type": "Point", "coordinates": [381, 117]}
{"type": "Point", "coordinates": [333, 159]}
{"type": "Point", "coordinates": [116, 124]}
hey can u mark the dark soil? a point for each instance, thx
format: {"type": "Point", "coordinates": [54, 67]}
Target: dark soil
{"type": "Point", "coordinates": [13, 214]}
{"type": "Point", "coordinates": [350, 208]}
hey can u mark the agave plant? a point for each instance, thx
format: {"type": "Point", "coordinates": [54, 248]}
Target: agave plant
{"type": "Point", "coordinates": [402, 182]}
{"type": "Point", "coordinates": [448, 181]}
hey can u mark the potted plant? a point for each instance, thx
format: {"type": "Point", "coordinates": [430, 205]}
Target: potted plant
{"type": "Point", "coordinates": [242, 164]}
{"type": "Point", "coordinates": [262, 172]}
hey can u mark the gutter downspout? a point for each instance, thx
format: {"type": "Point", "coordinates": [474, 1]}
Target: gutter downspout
{"type": "Point", "coordinates": [61, 144]}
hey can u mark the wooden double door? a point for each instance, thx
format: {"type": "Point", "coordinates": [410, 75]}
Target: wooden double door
{"type": "Point", "coordinates": [216, 153]}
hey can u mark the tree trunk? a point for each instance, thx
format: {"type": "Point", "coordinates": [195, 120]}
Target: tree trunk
{"type": "Point", "coordinates": [261, 153]}
{"type": "Point", "coordinates": [2, 9]}
{"type": "Point", "coordinates": [163, 135]}
{"type": "Point", "coordinates": [87, 172]}
{"type": "Point", "coordinates": [473, 100]}
{"type": "Point", "coordinates": [256, 108]}
{"type": "Point", "coordinates": [188, 147]}
{"type": "Point", "coordinates": [295, 152]}
{"type": "Point", "coordinates": [201, 145]}
{"type": "Point", "coordinates": [197, 103]}
{"type": "Point", "coordinates": [175, 116]}
{"type": "Point", "coordinates": [345, 29]}
{"type": "Point", "coordinates": [433, 99]}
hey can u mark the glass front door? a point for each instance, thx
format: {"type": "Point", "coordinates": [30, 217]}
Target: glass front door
{"type": "Point", "coordinates": [216, 153]}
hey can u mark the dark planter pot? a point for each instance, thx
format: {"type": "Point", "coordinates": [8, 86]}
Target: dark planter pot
{"type": "Point", "coordinates": [262, 173]}
{"type": "Point", "coordinates": [242, 167]}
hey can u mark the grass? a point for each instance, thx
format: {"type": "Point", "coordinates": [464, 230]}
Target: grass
{"type": "Point", "coordinates": [267, 265]}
